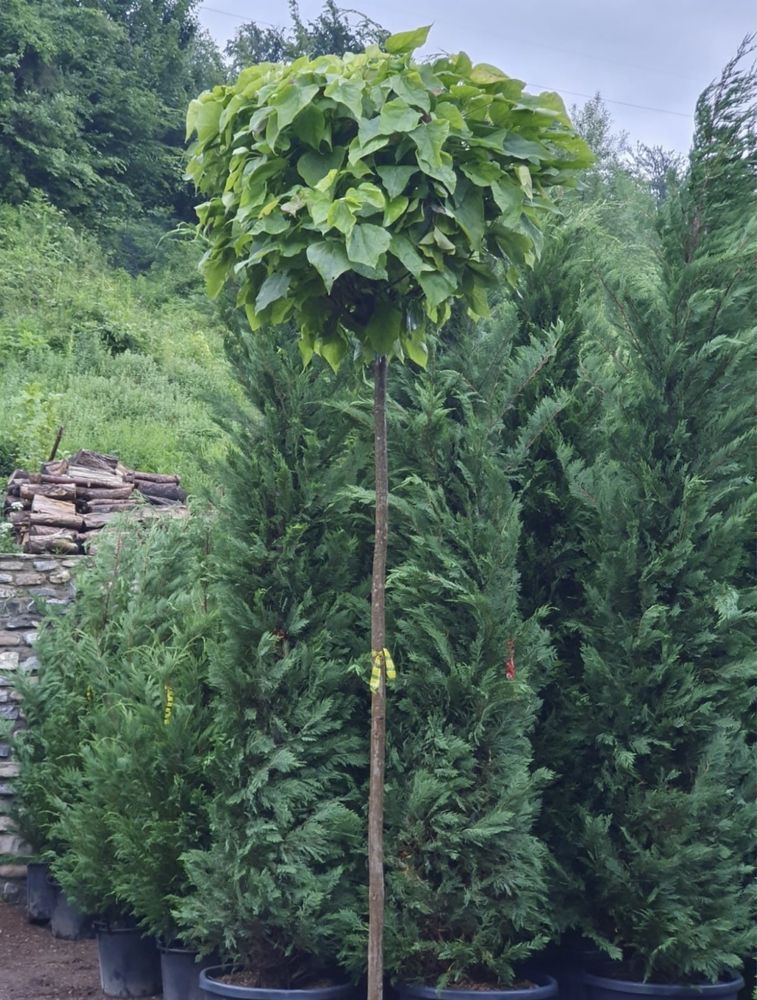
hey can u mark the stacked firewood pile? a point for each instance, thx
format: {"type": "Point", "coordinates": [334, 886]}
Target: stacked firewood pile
{"type": "Point", "coordinates": [61, 508]}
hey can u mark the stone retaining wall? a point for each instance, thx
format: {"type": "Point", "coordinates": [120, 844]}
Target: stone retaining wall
{"type": "Point", "coordinates": [26, 581]}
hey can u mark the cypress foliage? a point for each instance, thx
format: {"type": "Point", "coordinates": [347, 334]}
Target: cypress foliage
{"type": "Point", "coordinates": [112, 764]}
{"type": "Point", "coordinates": [657, 819]}
{"type": "Point", "coordinates": [283, 880]}
{"type": "Point", "coordinates": [466, 894]}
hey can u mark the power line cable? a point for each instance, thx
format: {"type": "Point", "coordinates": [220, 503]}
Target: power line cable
{"type": "Point", "coordinates": [609, 100]}
{"type": "Point", "coordinates": [572, 93]}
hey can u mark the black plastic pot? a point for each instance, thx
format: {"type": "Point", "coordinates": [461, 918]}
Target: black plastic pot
{"type": "Point", "coordinates": [129, 963]}
{"type": "Point", "coordinates": [605, 988]}
{"type": "Point", "coordinates": [41, 893]}
{"type": "Point", "coordinates": [545, 987]}
{"type": "Point", "coordinates": [212, 988]}
{"type": "Point", "coordinates": [68, 922]}
{"type": "Point", "coordinates": [568, 964]}
{"type": "Point", "coordinates": [181, 974]}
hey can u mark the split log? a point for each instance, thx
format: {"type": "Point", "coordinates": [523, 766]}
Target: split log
{"type": "Point", "coordinates": [93, 522]}
{"type": "Point", "coordinates": [45, 478]}
{"type": "Point", "coordinates": [48, 505]}
{"type": "Point", "coordinates": [118, 493]}
{"type": "Point", "coordinates": [60, 546]}
{"type": "Point", "coordinates": [19, 517]}
{"type": "Point", "coordinates": [73, 521]}
{"type": "Point", "coordinates": [49, 531]}
{"type": "Point", "coordinates": [57, 491]}
{"type": "Point", "coordinates": [151, 477]}
{"type": "Point", "coordinates": [45, 510]}
{"type": "Point", "coordinates": [56, 468]}
{"type": "Point", "coordinates": [168, 491]}
{"type": "Point", "coordinates": [108, 507]}
{"type": "Point", "coordinates": [93, 478]}
{"type": "Point", "coordinates": [94, 460]}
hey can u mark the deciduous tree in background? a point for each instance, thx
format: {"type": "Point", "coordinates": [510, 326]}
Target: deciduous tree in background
{"type": "Point", "coordinates": [359, 197]}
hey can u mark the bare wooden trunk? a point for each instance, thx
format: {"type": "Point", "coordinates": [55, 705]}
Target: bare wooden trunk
{"type": "Point", "coordinates": [167, 491]}
{"type": "Point", "coordinates": [121, 493]}
{"type": "Point", "coordinates": [93, 479]}
{"type": "Point", "coordinates": [152, 477]}
{"type": "Point", "coordinates": [57, 491]}
{"type": "Point", "coordinates": [378, 697]}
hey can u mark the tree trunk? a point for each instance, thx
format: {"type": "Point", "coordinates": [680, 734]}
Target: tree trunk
{"type": "Point", "coordinates": [378, 697]}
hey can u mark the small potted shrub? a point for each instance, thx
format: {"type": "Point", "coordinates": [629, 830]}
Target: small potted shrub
{"type": "Point", "coordinates": [130, 646]}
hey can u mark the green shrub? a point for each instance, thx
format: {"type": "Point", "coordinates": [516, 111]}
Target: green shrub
{"type": "Point", "coordinates": [282, 880]}
{"type": "Point", "coordinates": [112, 788]}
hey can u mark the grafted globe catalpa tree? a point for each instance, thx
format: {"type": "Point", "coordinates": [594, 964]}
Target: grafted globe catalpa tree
{"type": "Point", "coordinates": [356, 199]}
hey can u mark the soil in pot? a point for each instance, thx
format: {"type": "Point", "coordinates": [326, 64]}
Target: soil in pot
{"type": "Point", "coordinates": [539, 988]}
{"type": "Point", "coordinates": [222, 981]}
{"type": "Point", "coordinates": [41, 893]}
{"type": "Point", "coordinates": [129, 963]}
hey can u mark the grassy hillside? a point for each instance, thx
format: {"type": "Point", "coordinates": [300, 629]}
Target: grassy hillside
{"type": "Point", "coordinates": [125, 364]}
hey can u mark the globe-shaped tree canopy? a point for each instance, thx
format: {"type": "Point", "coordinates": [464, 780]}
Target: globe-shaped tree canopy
{"type": "Point", "coordinates": [359, 196]}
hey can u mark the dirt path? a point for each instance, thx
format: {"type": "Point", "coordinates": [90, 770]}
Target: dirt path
{"type": "Point", "coordinates": [36, 966]}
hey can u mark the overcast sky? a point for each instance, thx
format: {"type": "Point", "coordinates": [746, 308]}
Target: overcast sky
{"type": "Point", "coordinates": [657, 53]}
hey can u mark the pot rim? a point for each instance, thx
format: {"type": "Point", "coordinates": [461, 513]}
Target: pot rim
{"type": "Point", "coordinates": [546, 986]}
{"type": "Point", "coordinates": [209, 982]}
{"type": "Point", "coordinates": [721, 988]}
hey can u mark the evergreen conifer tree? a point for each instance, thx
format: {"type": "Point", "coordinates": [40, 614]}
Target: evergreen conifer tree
{"type": "Point", "coordinates": [657, 816]}
{"type": "Point", "coordinates": [466, 892]}
{"type": "Point", "coordinates": [112, 762]}
{"type": "Point", "coordinates": [283, 880]}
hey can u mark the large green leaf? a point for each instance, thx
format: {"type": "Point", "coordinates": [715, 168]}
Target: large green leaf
{"type": "Point", "coordinates": [481, 172]}
{"type": "Point", "coordinates": [348, 92]}
{"type": "Point", "coordinates": [330, 260]}
{"type": "Point", "coordinates": [437, 286]}
{"type": "Point", "coordinates": [395, 179]}
{"type": "Point", "coordinates": [407, 41]}
{"type": "Point", "coordinates": [313, 167]}
{"type": "Point", "coordinates": [402, 248]}
{"type": "Point", "coordinates": [394, 209]}
{"type": "Point", "coordinates": [273, 288]}
{"type": "Point", "coordinates": [203, 117]}
{"type": "Point", "coordinates": [384, 328]}
{"type": "Point", "coordinates": [398, 116]}
{"type": "Point", "coordinates": [311, 127]}
{"type": "Point", "coordinates": [469, 212]}
{"type": "Point", "coordinates": [367, 243]}
{"type": "Point", "coordinates": [290, 100]}
{"type": "Point", "coordinates": [524, 149]}
{"type": "Point", "coordinates": [484, 74]}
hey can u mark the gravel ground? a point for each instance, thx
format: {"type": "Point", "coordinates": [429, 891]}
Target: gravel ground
{"type": "Point", "coordinates": [36, 966]}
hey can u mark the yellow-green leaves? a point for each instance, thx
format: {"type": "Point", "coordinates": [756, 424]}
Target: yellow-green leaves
{"type": "Point", "coordinates": [407, 41]}
{"type": "Point", "coordinates": [359, 197]}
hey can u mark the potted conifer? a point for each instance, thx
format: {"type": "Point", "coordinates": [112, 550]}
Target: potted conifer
{"type": "Point", "coordinates": [358, 198]}
{"type": "Point", "coordinates": [126, 663]}
{"type": "Point", "coordinates": [467, 892]}
{"type": "Point", "coordinates": [280, 885]}
{"type": "Point", "coordinates": [659, 817]}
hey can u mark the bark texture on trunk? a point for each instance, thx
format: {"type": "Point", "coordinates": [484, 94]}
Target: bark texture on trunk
{"type": "Point", "coordinates": [378, 697]}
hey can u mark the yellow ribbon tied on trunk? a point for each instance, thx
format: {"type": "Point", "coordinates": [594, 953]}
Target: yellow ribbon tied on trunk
{"type": "Point", "coordinates": [379, 658]}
